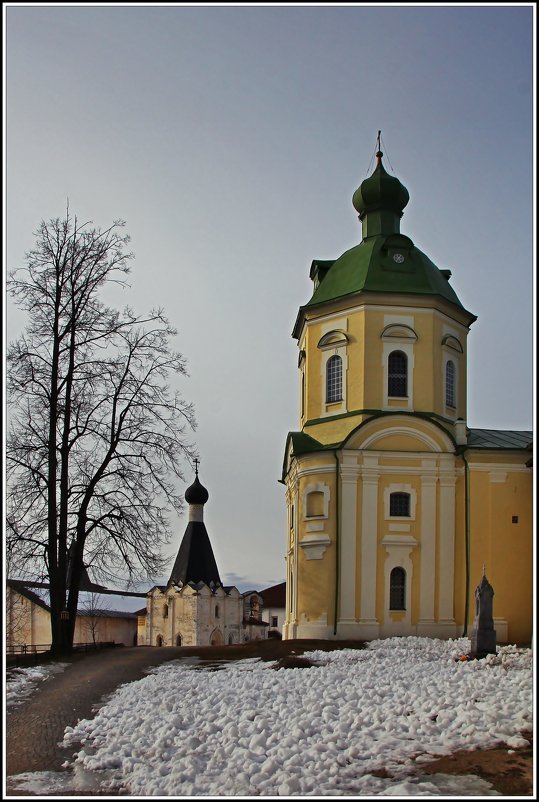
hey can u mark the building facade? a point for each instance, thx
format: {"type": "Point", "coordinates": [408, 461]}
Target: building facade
{"type": "Point", "coordinates": [194, 608]}
{"type": "Point", "coordinates": [28, 621]}
{"type": "Point", "coordinates": [395, 507]}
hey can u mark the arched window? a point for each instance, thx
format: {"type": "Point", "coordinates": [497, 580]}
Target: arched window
{"type": "Point", "coordinates": [159, 641]}
{"type": "Point", "coordinates": [397, 589]}
{"type": "Point", "coordinates": [450, 383]}
{"type": "Point", "coordinates": [397, 375]}
{"type": "Point", "coordinates": [230, 639]}
{"type": "Point", "coordinates": [217, 611]}
{"type": "Point", "coordinates": [334, 379]}
{"type": "Point", "coordinates": [165, 611]}
{"type": "Point", "coordinates": [178, 640]}
{"type": "Point", "coordinates": [399, 505]}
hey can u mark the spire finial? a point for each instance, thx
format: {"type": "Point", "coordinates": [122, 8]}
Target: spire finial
{"type": "Point", "coordinates": [484, 569]}
{"type": "Point", "coordinates": [379, 153]}
{"type": "Point", "coordinates": [196, 461]}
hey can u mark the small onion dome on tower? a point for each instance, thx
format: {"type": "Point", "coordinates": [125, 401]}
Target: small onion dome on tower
{"type": "Point", "coordinates": [196, 493]}
{"type": "Point", "coordinates": [380, 191]}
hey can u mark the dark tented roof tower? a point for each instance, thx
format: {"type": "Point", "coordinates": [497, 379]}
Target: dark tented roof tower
{"type": "Point", "coordinates": [195, 561]}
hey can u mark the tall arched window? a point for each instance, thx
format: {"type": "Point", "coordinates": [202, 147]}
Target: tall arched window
{"type": "Point", "coordinates": [397, 375]}
{"type": "Point", "coordinates": [450, 384]}
{"type": "Point", "coordinates": [397, 589]}
{"type": "Point", "coordinates": [178, 640]}
{"type": "Point", "coordinates": [334, 379]}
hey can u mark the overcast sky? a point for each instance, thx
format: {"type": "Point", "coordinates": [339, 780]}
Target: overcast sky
{"type": "Point", "coordinates": [231, 140]}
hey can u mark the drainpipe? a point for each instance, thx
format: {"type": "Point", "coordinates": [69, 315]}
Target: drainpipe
{"type": "Point", "coordinates": [337, 542]}
{"type": "Point", "coordinates": [461, 437]}
{"type": "Point", "coordinates": [467, 540]}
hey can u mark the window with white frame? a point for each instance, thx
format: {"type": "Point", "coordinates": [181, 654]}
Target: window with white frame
{"type": "Point", "coordinates": [334, 379]}
{"type": "Point", "coordinates": [399, 505]}
{"type": "Point", "coordinates": [400, 502]}
{"type": "Point", "coordinates": [397, 375]}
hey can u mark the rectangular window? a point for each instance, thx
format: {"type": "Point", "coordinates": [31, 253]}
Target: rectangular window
{"type": "Point", "coordinates": [274, 621]}
{"type": "Point", "coordinates": [399, 505]}
{"type": "Point", "coordinates": [397, 383]}
{"type": "Point", "coordinates": [450, 384]}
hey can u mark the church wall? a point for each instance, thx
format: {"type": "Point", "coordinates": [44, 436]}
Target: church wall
{"type": "Point", "coordinates": [366, 355]}
{"type": "Point", "coordinates": [192, 616]}
{"type": "Point", "coordinates": [312, 547]}
{"type": "Point", "coordinates": [499, 490]}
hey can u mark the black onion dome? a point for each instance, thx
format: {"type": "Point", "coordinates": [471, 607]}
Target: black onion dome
{"type": "Point", "coordinates": [196, 493]}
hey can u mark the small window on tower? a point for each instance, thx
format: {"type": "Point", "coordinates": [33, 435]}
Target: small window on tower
{"type": "Point", "coordinates": [334, 379]}
{"type": "Point", "coordinates": [450, 384]}
{"type": "Point", "coordinates": [397, 385]}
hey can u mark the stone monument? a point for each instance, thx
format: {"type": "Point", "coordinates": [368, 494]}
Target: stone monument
{"type": "Point", "coordinates": [483, 635]}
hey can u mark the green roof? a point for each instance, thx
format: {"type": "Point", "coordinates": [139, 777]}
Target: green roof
{"type": "Point", "coordinates": [385, 261]}
{"type": "Point", "coordinates": [370, 266]}
{"type": "Point", "coordinates": [500, 438]}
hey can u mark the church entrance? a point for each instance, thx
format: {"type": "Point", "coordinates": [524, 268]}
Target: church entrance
{"type": "Point", "coordinates": [216, 638]}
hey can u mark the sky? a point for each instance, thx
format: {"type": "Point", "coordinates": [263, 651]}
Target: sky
{"type": "Point", "coordinates": [327, 730]}
{"type": "Point", "coordinates": [231, 140]}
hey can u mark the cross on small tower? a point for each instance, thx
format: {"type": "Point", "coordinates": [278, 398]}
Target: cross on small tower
{"type": "Point", "coordinates": [196, 461]}
{"type": "Point", "coordinates": [484, 569]}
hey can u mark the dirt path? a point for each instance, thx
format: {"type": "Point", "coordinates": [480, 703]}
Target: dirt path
{"type": "Point", "coordinates": [35, 727]}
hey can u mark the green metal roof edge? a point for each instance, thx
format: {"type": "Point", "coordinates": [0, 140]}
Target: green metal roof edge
{"type": "Point", "coordinates": [376, 413]}
{"type": "Point", "coordinates": [309, 446]}
{"type": "Point", "coordinates": [526, 434]}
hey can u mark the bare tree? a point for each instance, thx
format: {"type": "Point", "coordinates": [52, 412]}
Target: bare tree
{"type": "Point", "coordinates": [91, 612]}
{"type": "Point", "coordinates": [96, 438]}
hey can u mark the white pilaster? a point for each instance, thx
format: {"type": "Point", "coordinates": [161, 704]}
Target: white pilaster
{"type": "Point", "coordinates": [348, 537]}
{"type": "Point", "coordinates": [369, 535]}
{"type": "Point", "coordinates": [446, 566]}
{"type": "Point", "coordinates": [427, 571]}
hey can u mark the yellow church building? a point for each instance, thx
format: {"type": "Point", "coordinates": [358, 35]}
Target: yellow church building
{"type": "Point", "coordinates": [395, 507]}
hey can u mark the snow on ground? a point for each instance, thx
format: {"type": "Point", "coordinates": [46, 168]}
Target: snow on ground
{"type": "Point", "coordinates": [248, 730]}
{"type": "Point", "coordinates": [22, 682]}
